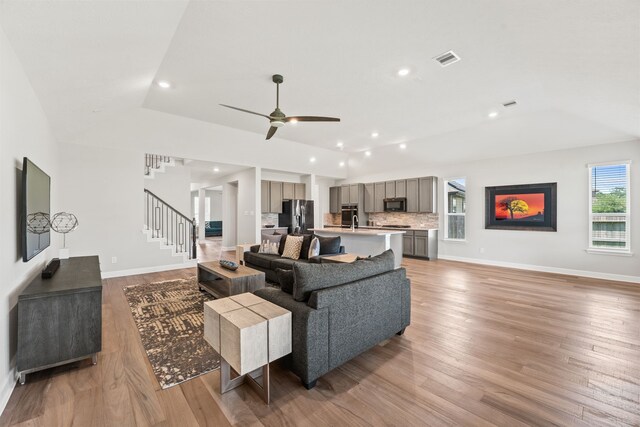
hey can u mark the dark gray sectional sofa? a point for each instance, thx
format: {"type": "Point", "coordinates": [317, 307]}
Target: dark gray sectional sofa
{"type": "Point", "coordinates": [341, 310]}
{"type": "Point", "coordinates": [268, 263]}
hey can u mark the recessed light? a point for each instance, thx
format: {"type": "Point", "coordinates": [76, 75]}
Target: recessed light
{"type": "Point", "coordinates": [374, 134]}
{"type": "Point", "coordinates": [403, 146]}
{"type": "Point", "coordinates": [493, 114]}
{"type": "Point", "coordinates": [340, 144]}
{"type": "Point", "coordinates": [402, 72]}
{"type": "Point", "coordinates": [367, 153]}
{"type": "Point", "coordinates": [341, 164]}
{"type": "Point", "coordinates": [312, 160]}
{"type": "Point", "coordinates": [164, 84]}
{"type": "Point", "coordinates": [216, 169]}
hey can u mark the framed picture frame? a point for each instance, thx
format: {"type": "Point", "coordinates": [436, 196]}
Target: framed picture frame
{"type": "Point", "coordinates": [529, 207]}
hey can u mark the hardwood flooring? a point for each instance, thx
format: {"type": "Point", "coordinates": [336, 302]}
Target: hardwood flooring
{"type": "Point", "coordinates": [486, 346]}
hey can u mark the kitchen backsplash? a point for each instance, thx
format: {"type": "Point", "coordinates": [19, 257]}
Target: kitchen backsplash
{"type": "Point", "coordinates": [270, 219]}
{"type": "Point", "coordinates": [417, 220]}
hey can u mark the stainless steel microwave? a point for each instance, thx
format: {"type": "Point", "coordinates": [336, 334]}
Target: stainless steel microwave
{"type": "Point", "coordinates": [397, 204]}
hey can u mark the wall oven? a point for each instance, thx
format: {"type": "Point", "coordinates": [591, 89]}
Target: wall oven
{"type": "Point", "coordinates": [348, 212]}
{"type": "Point", "coordinates": [397, 204]}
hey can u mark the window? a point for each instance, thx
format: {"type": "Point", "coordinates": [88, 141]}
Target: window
{"type": "Point", "coordinates": [456, 205]}
{"type": "Point", "coordinates": [609, 207]}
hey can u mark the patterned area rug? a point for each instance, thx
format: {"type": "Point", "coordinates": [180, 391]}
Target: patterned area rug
{"type": "Point", "coordinates": [170, 319]}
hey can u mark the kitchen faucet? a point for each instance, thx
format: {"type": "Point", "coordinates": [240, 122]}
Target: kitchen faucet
{"type": "Point", "coordinates": [354, 219]}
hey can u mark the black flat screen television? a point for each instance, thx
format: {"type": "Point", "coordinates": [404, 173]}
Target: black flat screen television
{"type": "Point", "coordinates": [36, 210]}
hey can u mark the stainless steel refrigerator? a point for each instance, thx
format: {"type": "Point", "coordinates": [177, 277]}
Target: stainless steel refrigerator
{"type": "Point", "coordinates": [297, 216]}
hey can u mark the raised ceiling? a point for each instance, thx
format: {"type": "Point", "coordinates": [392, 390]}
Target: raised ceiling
{"type": "Point", "coordinates": [573, 67]}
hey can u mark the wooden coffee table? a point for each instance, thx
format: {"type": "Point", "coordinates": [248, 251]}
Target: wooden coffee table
{"type": "Point", "coordinates": [222, 283]}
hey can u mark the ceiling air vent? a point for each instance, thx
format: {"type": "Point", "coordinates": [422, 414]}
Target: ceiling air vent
{"type": "Point", "coordinates": [447, 58]}
{"type": "Point", "coordinates": [509, 104]}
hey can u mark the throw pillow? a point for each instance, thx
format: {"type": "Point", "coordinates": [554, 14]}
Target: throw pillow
{"type": "Point", "coordinates": [306, 243]}
{"type": "Point", "coordinates": [286, 280]}
{"type": "Point", "coordinates": [268, 248]}
{"type": "Point", "coordinates": [292, 247]}
{"type": "Point", "coordinates": [314, 247]}
{"type": "Point", "coordinates": [272, 238]}
{"type": "Point", "coordinates": [312, 277]}
{"type": "Point", "coordinates": [329, 245]}
{"type": "Point", "coordinates": [283, 241]}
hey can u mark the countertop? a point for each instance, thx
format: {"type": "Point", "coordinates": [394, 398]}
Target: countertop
{"type": "Point", "coordinates": [385, 228]}
{"type": "Point", "coordinates": [359, 231]}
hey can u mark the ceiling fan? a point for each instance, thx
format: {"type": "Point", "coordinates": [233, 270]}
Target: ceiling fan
{"type": "Point", "coordinates": [277, 118]}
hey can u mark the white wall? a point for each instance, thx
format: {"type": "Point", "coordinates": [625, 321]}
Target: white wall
{"type": "Point", "coordinates": [173, 186]}
{"type": "Point", "coordinates": [103, 187]}
{"type": "Point", "coordinates": [562, 251]}
{"type": "Point", "coordinates": [24, 131]}
{"type": "Point", "coordinates": [215, 206]}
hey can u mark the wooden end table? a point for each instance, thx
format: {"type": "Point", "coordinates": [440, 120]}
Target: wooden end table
{"type": "Point", "coordinates": [221, 282]}
{"type": "Point", "coordinates": [248, 332]}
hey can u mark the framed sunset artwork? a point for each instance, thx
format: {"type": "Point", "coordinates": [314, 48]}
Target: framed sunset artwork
{"type": "Point", "coordinates": [521, 207]}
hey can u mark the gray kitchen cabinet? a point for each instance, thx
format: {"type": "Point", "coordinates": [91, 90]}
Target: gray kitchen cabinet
{"type": "Point", "coordinates": [288, 191]}
{"type": "Point", "coordinates": [344, 195]}
{"type": "Point", "coordinates": [401, 188]}
{"type": "Point", "coordinates": [407, 243]}
{"type": "Point", "coordinates": [389, 189]}
{"type": "Point", "coordinates": [354, 194]}
{"type": "Point", "coordinates": [412, 194]}
{"type": "Point", "coordinates": [299, 191]}
{"type": "Point", "coordinates": [420, 246]}
{"type": "Point", "coordinates": [427, 196]}
{"type": "Point", "coordinates": [264, 196]}
{"type": "Point", "coordinates": [60, 319]}
{"type": "Point", "coordinates": [379, 195]}
{"type": "Point", "coordinates": [334, 199]}
{"type": "Point", "coordinates": [369, 198]}
{"type": "Point", "coordinates": [275, 197]}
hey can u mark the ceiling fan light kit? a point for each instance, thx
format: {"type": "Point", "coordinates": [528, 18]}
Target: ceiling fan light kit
{"type": "Point", "coordinates": [277, 118]}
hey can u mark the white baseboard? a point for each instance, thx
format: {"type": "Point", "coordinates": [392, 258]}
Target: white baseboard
{"type": "Point", "coordinates": [7, 388]}
{"type": "Point", "coordinates": [557, 270]}
{"type": "Point", "coordinates": [144, 270]}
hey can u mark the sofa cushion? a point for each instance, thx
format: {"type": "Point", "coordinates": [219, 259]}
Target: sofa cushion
{"type": "Point", "coordinates": [261, 260]}
{"type": "Point", "coordinates": [292, 247]}
{"type": "Point", "coordinates": [311, 277]}
{"type": "Point", "coordinates": [286, 279]}
{"type": "Point", "coordinates": [283, 263]}
{"type": "Point", "coordinates": [329, 245]}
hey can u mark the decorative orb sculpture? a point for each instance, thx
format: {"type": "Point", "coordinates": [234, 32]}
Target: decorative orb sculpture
{"type": "Point", "coordinates": [38, 223]}
{"type": "Point", "coordinates": [64, 222]}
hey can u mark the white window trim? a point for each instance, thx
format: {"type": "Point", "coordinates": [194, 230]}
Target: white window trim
{"type": "Point", "coordinates": [446, 212]}
{"type": "Point", "coordinates": [600, 250]}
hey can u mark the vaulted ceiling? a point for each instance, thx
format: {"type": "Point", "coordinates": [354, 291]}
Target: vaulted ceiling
{"type": "Point", "coordinates": [572, 66]}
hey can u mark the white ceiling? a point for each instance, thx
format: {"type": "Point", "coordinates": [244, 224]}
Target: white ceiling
{"type": "Point", "coordinates": [573, 66]}
{"type": "Point", "coordinates": [203, 171]}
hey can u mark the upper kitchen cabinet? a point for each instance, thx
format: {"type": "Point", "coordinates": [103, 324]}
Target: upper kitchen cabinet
{"type": "Point", "coordinates": [379, 192]}
{"type": "Point", "coordinates": [354, 193]}
{"type": "Point", "coordinates": [275, 197]}
{"type": "Point", "coordinates": [344, 194]}
{"type": "Point", "coordinates": [369, 198]}
{"type": "Point", "coordinates": [335, 199]}
{"type": "Point", "coordinates": [264, 197]}
{"type": "Point", "coordinates": [390, 189]}
{"type": "Point", "coordinates": [300, 191]}
{"type": "Point", "coordinates": [428, 193]}
{"type": "Point", "coordinates": [288, 191]}
{"type": "Point", "coordinates": [412, 195]}
{"type": "Point", "coordinates": [401, 188]}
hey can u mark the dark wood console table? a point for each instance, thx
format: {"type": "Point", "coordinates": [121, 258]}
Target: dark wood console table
{"type": "Point", "coordinates": [60, 319]}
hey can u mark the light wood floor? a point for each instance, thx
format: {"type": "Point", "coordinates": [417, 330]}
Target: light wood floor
{"type": "Point", "coordinates": [486, 346]}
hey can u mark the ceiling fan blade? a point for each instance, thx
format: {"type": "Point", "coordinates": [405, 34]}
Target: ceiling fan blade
{"type": "Point", "coordinates": [311, 119]}
{"type": "Point", "coordinates": [272, 130]}
{"type": "Point", "coordinates": [246, 111]}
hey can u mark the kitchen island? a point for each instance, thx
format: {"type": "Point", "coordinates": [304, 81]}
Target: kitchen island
{"type": "Point", "coordinates": [367, 242]}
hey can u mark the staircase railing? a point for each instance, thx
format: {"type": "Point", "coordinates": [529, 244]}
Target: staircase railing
{"type": "Point", "coordinates": [167, 223]}
{"type": "Point", "coordinates": [154, 161]}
